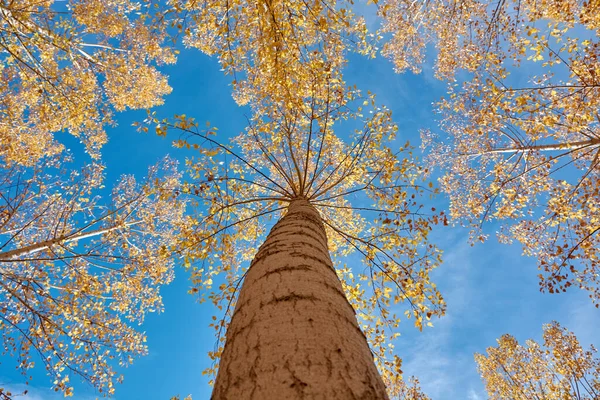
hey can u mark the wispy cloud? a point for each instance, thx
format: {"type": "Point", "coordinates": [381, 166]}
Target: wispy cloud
{"type": "Point", "coordinates": [577, 313]}
{"type": "Point", "coordinates": [490, 289]}
{"type": "Point", "coordinates": [473, 395]}
{"type": "Point", "coordinates": [26, 392]}
{"type": "Point", "coordinates": [442, 357]}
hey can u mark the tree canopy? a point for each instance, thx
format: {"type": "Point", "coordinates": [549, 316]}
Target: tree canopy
{"type": "Point", "coordinates": [77, 270]}
{"type": "Point", "coordinates": [79, 265]}
{"type": "Point", "coordinates": [69, 67]}
{"type": "Point", "coordinates": [558, 369]}
{"type": "Point", "coordinates": [520, 149]}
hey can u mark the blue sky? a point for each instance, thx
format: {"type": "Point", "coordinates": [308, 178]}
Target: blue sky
{"type": "Point", "coordinates": [490, 288]}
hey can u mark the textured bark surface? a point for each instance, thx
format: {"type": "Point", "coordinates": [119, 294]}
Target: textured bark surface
{"type": "Point", "coordinates": [293, 334]}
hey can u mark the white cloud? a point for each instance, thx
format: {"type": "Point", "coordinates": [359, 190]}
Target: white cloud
{"type": "Point", "coordinates": [442, 356]}
{"type": "Point", "coordinates": [490, 289]}
{"type": "Point", "coordinates": [473, 395]}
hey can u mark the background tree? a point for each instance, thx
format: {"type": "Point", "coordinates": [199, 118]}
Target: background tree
{"type": "Point", "coordinates": [68, 66]}
{"type": "Point", "coordinates": [411, 391]}
{"type": "Point", "coordinates": [560, 369]}
{"type": "Point", "coordinates": [521, 149]}
{"type": "Point", "coordinates": [77, 272]}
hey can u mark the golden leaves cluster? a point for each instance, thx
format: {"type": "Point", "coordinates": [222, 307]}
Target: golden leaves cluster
{"type": "Point", "coordinates": [280, 49]}
{"type": "Point", "coordinates": [558, 369]}
{"type": "Point", "coordinates": [66, 67]}
{"type": "Point", "coordinates": [522, 119]}
{"type": "Point", "coordinates": [77, 272]}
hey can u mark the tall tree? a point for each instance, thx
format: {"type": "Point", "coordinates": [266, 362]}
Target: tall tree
{"type": "Point", "coordinates": [286, 58]}
{"type": "Point", "coordinates": [560, 369]}
{"type": "Point", "coordinates": [520, 148]}
{"type": "Point", "coordinates": [76, 272]}
{"type": "Point", "coordinates": [329, 195]}
{"type": "Point", "coordinates": [68, 66]}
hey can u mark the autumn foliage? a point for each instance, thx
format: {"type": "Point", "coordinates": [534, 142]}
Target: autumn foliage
{"type": "Point", "coordinates": [76, 270]}
{"type": "Point", "coordinates": [70, 66]}
{"type": "Point", "coordinates": [293, 153]}
{"type": "Point", "coordinates": [286, 60]}
{"type": "Point", "coordinates": [522, 149]}
{"type": "Point", "coordinates": [274, 48]}
{"type": "Point", "coordinates": [557, 369]}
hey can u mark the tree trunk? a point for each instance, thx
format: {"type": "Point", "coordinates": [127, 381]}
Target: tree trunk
{"type": "Point", "coordinates": [293, 334]}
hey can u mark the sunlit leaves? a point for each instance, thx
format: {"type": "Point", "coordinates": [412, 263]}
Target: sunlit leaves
{"type": "Point", "coordinates": [523, 124]}
{"type": "Point", "coordinates": [558, 369]}
{"type": "Point", "coordinates": [280, 49]}
{"type": "Point", "coordinates": [77, 272]}
{"type": "Point", "coordinates": [66, 66]}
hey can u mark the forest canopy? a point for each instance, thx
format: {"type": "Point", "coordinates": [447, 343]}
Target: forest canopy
{"type": "Point", "coordinates": [510, 146]}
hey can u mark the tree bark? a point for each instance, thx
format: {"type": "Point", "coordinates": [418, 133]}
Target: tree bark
{"type": "Point", "coordinates": [293, 334]}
